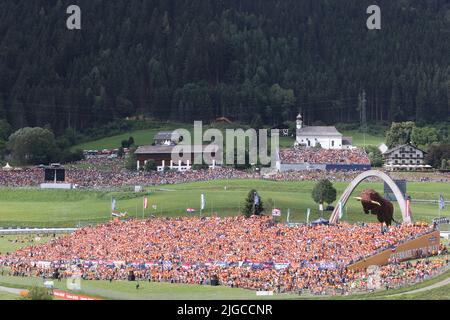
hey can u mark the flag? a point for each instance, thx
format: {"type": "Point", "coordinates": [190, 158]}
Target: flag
{"type": "Point", "coordinates": [113, 204]}
{"type": "Point", "coordinates": [145, 202]}
{"type": "Point", "coordinates": [408, 206]}
{"type": "Point", "coordinates": [341, 210]}
{"type": "Point", "coordinates": [122, 214]}
{"type": "Point", "coordinates": [288, 215]}
{"type": "Point", "coordinates": [256, 199]}
{"type": "Point", "coordinates": [202, 202]}
{"type": "Point", "coordinates": [276, 212]}
{"type": "Point", "coordinates": [441, 202]}
{"type": "Point", "coordinates": [190, 210]}
{"type": "Point", "coordinates": [308, 212]}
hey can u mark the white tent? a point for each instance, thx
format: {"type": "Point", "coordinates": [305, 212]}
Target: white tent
{"type": "Point", "coordinates": [7, 167]}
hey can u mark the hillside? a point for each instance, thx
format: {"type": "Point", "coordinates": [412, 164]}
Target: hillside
{"type": "Point", "coordinates": [182, 60]}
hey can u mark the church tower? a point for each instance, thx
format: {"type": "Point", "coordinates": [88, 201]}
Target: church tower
{"type": "Point", "coordinates": [299, 121]}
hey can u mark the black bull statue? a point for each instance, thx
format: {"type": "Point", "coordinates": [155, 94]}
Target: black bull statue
{"type": "Point", "coordinates": [373, 203]}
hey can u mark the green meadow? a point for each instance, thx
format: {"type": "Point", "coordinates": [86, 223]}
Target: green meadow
{"type": "Point", "coordinates": [145, 137]}
{"type": "Point", "coordinates": [67, 208]}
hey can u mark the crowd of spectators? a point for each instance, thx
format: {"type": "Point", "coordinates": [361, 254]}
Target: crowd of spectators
{"type": "Point", "coordinates": [109, 173]}
{"type": "Point", "coordinates": [253, 253]}
{"type": "Point", "coordinates": [324, 156]}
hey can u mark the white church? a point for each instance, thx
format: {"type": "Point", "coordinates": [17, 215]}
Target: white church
{"type": "Point", "coordinates": [327, 136]}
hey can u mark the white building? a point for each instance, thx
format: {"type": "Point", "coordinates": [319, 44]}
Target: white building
{"type": "Point", "coordinates": [405, 157]}
{"type": "Point", "coordinates": [327, 136]}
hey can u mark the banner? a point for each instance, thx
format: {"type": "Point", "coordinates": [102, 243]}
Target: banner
{"type": "Point", "coordinates": [441, 202]}
{"type": "Point", "coordinates": [145, 202]}
{"type": "Point", "coordinates": [408, 206]}
{"type": "Point", "coordinates": [71, 296]}
{"type": "Point", "coordinates": [202, 202]}
{"type": "Point", "coordinates": [341, 210]}
{"type": "Point", "coordinates": [256, 199]}
{"type": "Point", "coordinates": [276, 212]}
{"type": "Point", "coordinates": [113, 204]}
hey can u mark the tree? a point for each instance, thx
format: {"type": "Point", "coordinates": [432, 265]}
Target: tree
{"type": "Point", "coordinates": [120, 152]}
{"type": "Point", "coordinates": [437, 153]}
{"type": "Point", "coordinates": [5, 129]}
{"type": "Point", "coordinates": [423, 137]}
{"type": "Point", "coordinates": [32, 146]}
{"type": "Point", "coordinates": [399, 133]}
{"type": "Point", "coordinates": [150, 165]}
{"type": "Point", "coordinates": [375, 156]}
{"type": "Point", "coordinates": [131, 160]}
{"type": "Point", "coordinates": [250, 207]}
{"type": "Point", "coordinates": [125, 144]}
{"type": "Point", "coordinates": [444, 164]}
{"type": "Point", "coordinates": [130, 141]}
{"type": "Point", "coordinates": [324, 192]}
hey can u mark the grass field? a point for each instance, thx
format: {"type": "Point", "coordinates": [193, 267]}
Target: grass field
{"type": "Point", "coordinates": [147, 290]}
{"type": "Point", "coordinates": [8, 296]}
{"type": "Point", "coordinates": [10, 243]}
{"type": "Point", "coordinates": [141, 137]}
{"type": "Point", "coordinates": [44, 208]}
{"type": "Point", "coordinates": [145, 137]}
{"type": "Point", "coordinates": [159, 291]}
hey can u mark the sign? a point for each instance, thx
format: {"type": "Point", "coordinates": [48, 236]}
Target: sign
{"type": "Point", "coordinates": [71, 296]}
{"type": "Point", "coordinates": [73, 283]}
{"type": "Point", "coordinates": [264, 293]}
{"type": "Point", "coordinates": [276, 212]}
{"type": "Point", "coordinates": [443, 220]}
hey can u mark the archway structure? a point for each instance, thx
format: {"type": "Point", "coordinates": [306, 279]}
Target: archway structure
{"type": "Point", "coordinates": [367, 174]}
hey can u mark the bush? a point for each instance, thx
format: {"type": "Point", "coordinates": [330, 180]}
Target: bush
{"type": "Point", "coordinates": [203, 166]}
{"type": "Point", "coordinates": [38, 293]}
{"type": "Point", "coordinates": [150, 165]}
{"type": "Point", "coordinates": [71, 156]}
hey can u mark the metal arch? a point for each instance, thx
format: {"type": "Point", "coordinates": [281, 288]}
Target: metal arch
{"type": "Point", "coordinates": [361, 177]}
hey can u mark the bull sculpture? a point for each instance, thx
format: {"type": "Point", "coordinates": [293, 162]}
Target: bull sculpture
{"type": "Point", "coordinates": [374, 203]}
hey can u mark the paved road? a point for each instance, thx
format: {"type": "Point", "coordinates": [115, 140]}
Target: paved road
{"type": "Point", "coordinates": [433, 286]}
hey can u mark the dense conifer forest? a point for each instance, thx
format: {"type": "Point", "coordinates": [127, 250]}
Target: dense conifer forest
{"type": "Point", "coordinates": [182, 60]}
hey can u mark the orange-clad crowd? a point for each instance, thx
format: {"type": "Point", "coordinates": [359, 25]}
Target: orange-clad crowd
{"type": "Point", "coordinates": [253, 253]}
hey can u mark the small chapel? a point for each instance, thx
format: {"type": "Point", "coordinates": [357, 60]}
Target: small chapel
{"type": "Point", "coordinates": [328, 137]}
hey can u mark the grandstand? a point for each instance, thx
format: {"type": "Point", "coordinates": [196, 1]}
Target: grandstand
{"type": "Point", "coordinates": [302, 158]}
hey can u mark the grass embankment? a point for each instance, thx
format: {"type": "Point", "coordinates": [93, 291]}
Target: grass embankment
{"type": "Point", "coordinates": [45, 208]}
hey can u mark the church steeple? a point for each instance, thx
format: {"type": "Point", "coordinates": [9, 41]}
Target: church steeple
{"type": "Point", "coordinates": [299, 121]}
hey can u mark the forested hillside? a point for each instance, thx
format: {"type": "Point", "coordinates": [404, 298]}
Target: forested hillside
{"type": "Point", "coordinates": [198, 59]}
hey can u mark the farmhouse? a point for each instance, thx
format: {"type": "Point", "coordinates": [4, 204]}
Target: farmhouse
{"type": "Point", "coordinates": [405, 157]}
{"type": "Point", "coordinates": [166, 138]}
{"type": "Point", "coordinates": [164, 155]}
{"type": "Point", "coordinates": [328, 137]}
